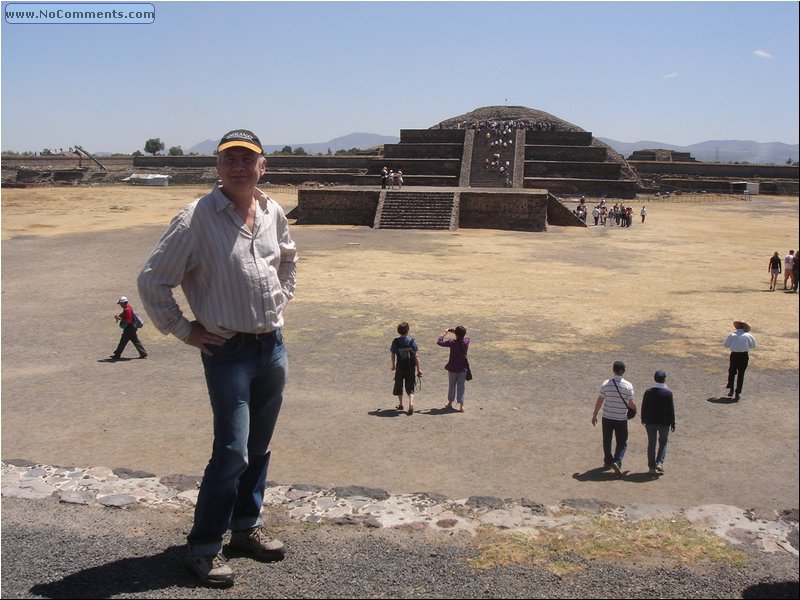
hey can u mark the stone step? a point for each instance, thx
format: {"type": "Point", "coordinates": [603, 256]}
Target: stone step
{"type": "Point", "coordinates": [416, 210]}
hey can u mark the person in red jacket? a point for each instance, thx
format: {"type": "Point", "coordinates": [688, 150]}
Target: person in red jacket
{"type": "Point", "coordinates": [128, 324]}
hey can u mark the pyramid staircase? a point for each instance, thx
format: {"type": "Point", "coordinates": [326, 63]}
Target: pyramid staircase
{"type": "Point", "coordinates": [417, 210]}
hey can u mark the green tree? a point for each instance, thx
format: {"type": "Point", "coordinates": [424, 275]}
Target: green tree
{"type": "Point", "coordinates": [153, 146]}
{"type": "Point", "coordinates": [300, 151]}
{"type": "Point", "coordinates": [286, 150]}
{"type": "Point", "coordinates": [176, 151]}
{"type": "Point", "coordinates": [137, 153]}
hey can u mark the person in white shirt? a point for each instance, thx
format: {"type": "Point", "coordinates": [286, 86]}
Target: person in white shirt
{"type": "Point", "coordinates": [615, 398]}
{"type": "Point", "coordinates": [788, 263]}
{"type": "Point", "coordinates": [739, 342]}
{"type": "Point", "coordinates": [232, 254]}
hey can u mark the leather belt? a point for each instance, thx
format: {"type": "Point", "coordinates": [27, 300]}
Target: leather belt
{"type": "Point", "coordinates": [257, 336]}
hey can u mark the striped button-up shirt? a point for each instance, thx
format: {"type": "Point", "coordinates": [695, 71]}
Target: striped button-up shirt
{"type": "Point", "coordinates": [234, 279]}
{"type": "Point", "coordinates": [614, 406]}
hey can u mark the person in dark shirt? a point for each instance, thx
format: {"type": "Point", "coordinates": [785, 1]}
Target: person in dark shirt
{"type": "Point", "coordinates": [774, 270]}
{"type": "Point", "coordinates": [404, 362]}
{"type": "Point", "coordinates": [658, 418]}
{"type": "Point", "coordinates": [457, 365]}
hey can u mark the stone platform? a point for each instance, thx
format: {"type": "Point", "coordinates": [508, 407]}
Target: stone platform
{"type": "Point", "coordinates": [373, 507]}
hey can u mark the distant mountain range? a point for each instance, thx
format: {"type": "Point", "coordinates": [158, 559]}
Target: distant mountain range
{"type": "Point", "coordinates": [353, 140]}
{"type": "Point", "coordinates": [725, 151]}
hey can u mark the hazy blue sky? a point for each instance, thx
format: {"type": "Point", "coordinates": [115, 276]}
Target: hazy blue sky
{"type": "Point", "coordinates": [295, 72]}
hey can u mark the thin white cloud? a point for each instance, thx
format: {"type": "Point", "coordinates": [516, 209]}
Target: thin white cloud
{"type": "Point", "coordinates": [762, 53]}
{"type": "Point", "coordinates": [670, 76]}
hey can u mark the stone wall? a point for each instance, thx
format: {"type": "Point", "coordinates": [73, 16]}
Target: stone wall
{"type": "Point", "coordinates": [509, 210]}
{"type": "Point", "coordinates": [574, 170]}
{"type": "Point", "coordinates": [717, 170]}
{"type": "Point", "coordinates": [558, 214]}
{"type": "Point", "coordinates": [419, 166]}
{"type": "Point", "coordinates": [726, 186]}
{"type": "Point", "coordinates": [391, 151]}
{"type": "Point", "coordinates": [336, 207]}
{"type": "Point", "coordinates": [432, 136]}
{"type": "Point", "coordinates": [566, 153]}
{"type": "Point", "coordinates": [174, 161]}
{"type": "Point", "coordinates": [578, 187]}
{"type": "Point", "coordinates": [503, 210]}
{"type": "Point", "coordinates": [276, 161]}
{"type": "Point", "coordinates": [559, 138]}
{"type": "Point", "coordinates": [662, 154]}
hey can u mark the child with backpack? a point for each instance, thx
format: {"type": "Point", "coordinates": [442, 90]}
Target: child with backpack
{"type": "Point", "coordinates": [405, 363]}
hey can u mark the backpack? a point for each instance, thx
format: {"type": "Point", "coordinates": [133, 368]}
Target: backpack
{"type": "Point", "coordinates": [405, 358]}
{"type": "Point", "coordinates": [138, 321]}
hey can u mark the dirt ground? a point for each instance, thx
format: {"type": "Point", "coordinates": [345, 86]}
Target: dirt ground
{"type": "Point", "coordinates": [547, 313]}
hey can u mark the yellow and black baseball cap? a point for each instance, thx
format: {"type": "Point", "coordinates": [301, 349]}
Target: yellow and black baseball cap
{"type": "Point", "coordinates": [240, 138]}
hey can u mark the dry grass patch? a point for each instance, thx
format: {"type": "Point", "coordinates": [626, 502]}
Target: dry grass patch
{"type": "Point", "coordinates": [605, 538]}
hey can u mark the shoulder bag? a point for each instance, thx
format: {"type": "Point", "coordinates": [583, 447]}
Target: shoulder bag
{"type": "Point", "coordinates": [631, 411]}
{"type": "Point", "coordinates": [466, 360]}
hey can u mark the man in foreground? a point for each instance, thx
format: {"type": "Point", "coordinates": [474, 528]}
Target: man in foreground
{"type": "Point", "coordinates": [233, 256]}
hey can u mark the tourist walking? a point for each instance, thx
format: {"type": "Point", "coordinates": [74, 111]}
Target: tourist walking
{"type": "Point", "coordinates": [130, 324]}
{"type": "Point", "coordinates": [384, 177]}
{"type": "Point", "coordinates": [774, 270]}
{"type": "Point", "coordinates": [658, 418]}
{"type": "Point", "coordinates": [739, 342]}
{"type": "Point", "coordinates": [233, 256]}
{"type": "Point", "coordinates": [457, 365]}
{"type": "Point", "coordinates": [615, 398]}
{"type": "Point", "coordinates": [405, 362]}
{"type": "Point", "coordinates": [795, 272]}
{"type": "Point", "coordinates": [788, 266]}
{"type": "Point", "coordinates": [643, 213]}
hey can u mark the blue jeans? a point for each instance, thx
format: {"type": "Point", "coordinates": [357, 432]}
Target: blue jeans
{"type": "Point", "coordinates": [245, 379]}
{"type": "Point", "coordinates": [618, 429]}
{"type": "Point", "coordinates": [455, 388]}
{"type": "Point", "coordinates": [660, 433]}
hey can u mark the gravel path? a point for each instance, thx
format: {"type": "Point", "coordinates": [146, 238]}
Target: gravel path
{"type": "Point", "coordinates": [53, 550]}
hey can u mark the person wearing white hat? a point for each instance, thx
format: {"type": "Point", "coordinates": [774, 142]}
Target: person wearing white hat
{"type": "Point", "coordinates": [127, 322]}
{"type": "Point", "coordinates": [739, 342]}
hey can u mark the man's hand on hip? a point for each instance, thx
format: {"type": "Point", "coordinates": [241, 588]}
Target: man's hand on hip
{"type": "Point", "coordinates": [199, 337]}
